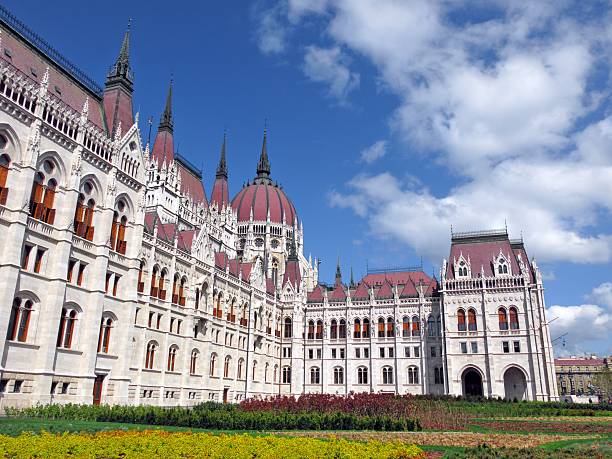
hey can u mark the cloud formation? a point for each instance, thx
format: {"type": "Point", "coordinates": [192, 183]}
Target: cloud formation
{"type": "Point", "coordinates": [329, 66]}
{"type": "Point", "coordinates": [375, 151]}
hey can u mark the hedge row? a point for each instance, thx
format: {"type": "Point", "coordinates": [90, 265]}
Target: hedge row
{"type": "Point", "coordinates": [212, 415]}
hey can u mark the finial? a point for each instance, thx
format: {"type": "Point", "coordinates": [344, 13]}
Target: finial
{"type": "Point", "coordinates": [121, 72]}
{"type": "Point", "coordinates": [263, 166]}
{"type": "Point", "coordinates": [166, 121]}
{"type": "Point", "coordinates": [222, 167]}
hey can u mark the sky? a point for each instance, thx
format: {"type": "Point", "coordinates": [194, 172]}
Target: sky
{"type": "Point", "coordinates": [391, 122]}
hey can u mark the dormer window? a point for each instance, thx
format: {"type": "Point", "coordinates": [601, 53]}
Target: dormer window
{"type": "Point", "coordinates": [462, 267]}
{"type": "Point", "coordinates": [501, 265]}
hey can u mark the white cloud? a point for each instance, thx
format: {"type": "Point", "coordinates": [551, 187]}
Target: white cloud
{"type": "Point", "coordinates": [271, 33]}
{"type": "Point", "coordinates": [330, 66]}
{"type": "Point", "coordinates": [375, 151]}
{"type": "Point", "coordinates": [602, 295]}
{"type": "Point", "coordinates": [497, 102]}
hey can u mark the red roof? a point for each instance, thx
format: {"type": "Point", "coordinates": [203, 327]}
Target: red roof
{"type": "Point", "coordinates": [270, 287]}
{"type": "Point", "coordinates": [118, 103]}
{"type": "Point", "coordinates": [163, 147]}
{"type": "Point", "coordinates": [191, 185]}
{"type": "Point", "coordinates": [261, 198]}
{"type": "Point", "coordinates": [337, 294]}
{"type": "Point", "coordinates": [386, 291]}
{"type": "Point", "coordinates": [292, 273]}
{"type": "Point", "coordinates": [220, 193]}
{"type": "Point", "coordinates": [185, 240]}
{"type": "Point", "coordinates": [26, 59]}
{"type": "Point", "coordinates": [579, 361]}
{"type": "Point", "coordinates": [316, 295]}
{"type": "Point", "coordinates": [362, 292]}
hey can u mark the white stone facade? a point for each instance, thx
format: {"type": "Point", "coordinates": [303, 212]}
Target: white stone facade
{"type": "Point", "coordinates": [85, 320]}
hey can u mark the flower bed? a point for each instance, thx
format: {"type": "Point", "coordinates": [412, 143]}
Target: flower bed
{"type": "Point", "coordinates": [222, 417]}
{"type": "Point", "coordinates": [546, 426]}
{"type": "Point", "coordinates": [149, 444]}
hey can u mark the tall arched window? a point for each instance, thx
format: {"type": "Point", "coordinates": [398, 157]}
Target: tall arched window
{"type": "Point", "coordinates": [416, 326]}
{"type": "Point", "coordinates": [181, 292]}
{"type": "Point", "coordinates": [502, 316]}
{"type": "Point", "coordinates": [288, 332]}
{"type": "Point", "coordinates": [413, 375]}
{"type": "Point", "coordinates": [342, 329]}
{"type": "Point", "coordinates": [175, 289]}
{"type": "Point", "coordinates": [362, 375]}
{"type": "Point", "coordinates": [171, 358]}
{"type": "Point", "coordinates": [315, 375]}
{"type": "Point", "coordinates": [266, 368]}
{"type": "Point", "coordinates": [119, 228]}
{"type": "Point", "coordinates": [319, 334]}
{"type": "Point", "coordinates": [311, 329]}
{"type": "Point", "coordinates": [150, 356]}
{"type": "Point", "coordinates": [104, 336]}
{"type": "Point", "coordinates": [218, 310]}
{"type": "Point", "coordinates": [213, 364]}
{"type": "Point", "coordinates": [19, 322]}
{"type": "Point", "coordinates": [439, 326]}
{"type": "Point", "coordinates": [286, 375]}
{"type": "Point", "coordinates": [231, 316]}
{"type": "Point", "coordinates": [365, 330]}
{"type": "Point", "coordinates": [431, 326]}
{"type": "Point", "coordinates": [240, 368]}
{"type": "Point", "coordinates": [42, 198]}
{"type": "Point", "coordinates": [333, 329]}
{"type": "Point", "coordinates": [472, 320]}
{"type": "Point", "coordinates": [83, 215]}
{"type": "Point", "coordinates": [514, 322]}
{"type": "Point", "coordinates": [275, 373]}
{"type": "Point", "coordinates": [275, 272]}
{"type": "Point", "coordinates": [226, 366]}
{"type": "Point", "coordinates": [162, 281]}
{"type": "Point", "coordinates": [405, 327]}
{"type": "Point", "coordinates": [461, 320]}
{"type": "Point", "coordinates": [193, 362]}
{"type": "Point", "coordinates": [387, 375]}
{"type": "Point", "coordinates": [381, 327]}
{"type": "Point", "coordinates": [5, 162]}
{"type": "Point", "coordinates": [338, 375]}
{"type": "Point", "coordinates": [390, 327]}
{"type": "Point", "coordinates": [66, 328]}
{"type": "Point", "coordinates": [357, 329]}
{"type": "Point", "coordinates": [154, 286]}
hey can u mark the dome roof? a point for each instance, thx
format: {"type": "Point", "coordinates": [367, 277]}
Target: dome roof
{"type": "Point", "coordinates": [261, 197]}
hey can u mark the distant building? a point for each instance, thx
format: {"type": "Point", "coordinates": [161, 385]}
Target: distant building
{"type": "Point", "coordinates": [575, 374]}
{"type": "Point", "coordinates": [124, 282]}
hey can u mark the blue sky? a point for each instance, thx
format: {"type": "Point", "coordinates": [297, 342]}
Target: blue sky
{"type": "Point", "coordinates": [390, 121]}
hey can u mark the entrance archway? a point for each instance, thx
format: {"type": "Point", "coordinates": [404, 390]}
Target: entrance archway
{"type": "Point", "coordinates": [472, 383]}
{"type": "Point", "coordinates": [515, 385]}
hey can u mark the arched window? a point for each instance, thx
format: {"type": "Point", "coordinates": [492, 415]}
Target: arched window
{"type": "Point", "coordinates": [338, 375]}
{"type": "Point", "coordinates": [286, 375]}
{"type": "Point", "coordinates": [5, 162]}
{"type": "Point", "coordinates": [288, 332]}
{"type": "Point", "coordinates": [438, 376]}
{"type": "Point", "coordinates": [213, 364]}
{"type": "Point", "coordinates": [431, 326]}
{"type": "Point", "coordinates": [154, 286]}
{"type": "Point", "coordinates": [140, 284]}
{"type": "Point", "coordinates": [254, 370]}
{"type": "Point", "coordinates": [472, 320]}
{"type": "Point", "coordinates": [119, 227]}
{"type": "Point", "coordinates": [231, 316]}
{"type": "Point", "coordinates": [333, 329]}
{"type": "Point", "coordinates": [365, 330]}
{"type": "Point", "coordinates": [413, 375]}
{"type": "Point", "coordinates": [319, 334]}
{"type": "Point", "coordinates": [461, 320]}
{"type": "Point", "coordinates": [266, 368]}
{"type": "Point", "coordinates": [315, 375]}
{"type": "Point", "coordinates": [438, 326]}
{"type": "Point", "coordinates": [174, 289]}
{"type": "Point", "coordinates": [275, 373]}
{"type": "Point", "coordinates": [502, 316]}
{"type": "Point", "coordinates": [362, 375]}
{"type": "Point", "coordinates": [342, 329]}
{"type": "Point", "coordinates": [67, 324]}
{"type": "Point", "coordinates": [390, 327]}
{"type": "Point", "coordinates": [514, 322]}
{"type": "Point", "coordinates": [218, 309]}
{"type": "Point", "coordinates": [226, 366]}
{"type": "Point", "coordinates": [181, 292]}
{"type": "Point", "coordinates": [162, 280]}
{"type": "Point", "coordinates": [171, 357]}
{"type": "Point", "coordinates": [416, 326]}
{"type": "Point", "coordinates": [104, 336]}
{"type": "Point", "coordinates": [357, 330]}
{"type": "Point", "coordinates": [275, 272]}
{"type": "Point", "coordinates": [150, 356]}
{"type": "Point", "coordinates": [193, 362]}
{"type": "Point", "coordinates": [42, 198]}
{"type": "Point", "coordinates": [405, 327]}
{"type": "Point", "coordinates": [84, 213]}
{"type": "Point", "coordinates": [240, 366]}
{"type": "Point", "coordinates": [311, 329]}
{"type": "Point", "coordinates": [197, 298]}
{"type": "Point", "coordinates": [19, 322]}
{"type": "Point", "coordinates": [381, 327]}
{"type": "Point", "coordinates": [387, 375]}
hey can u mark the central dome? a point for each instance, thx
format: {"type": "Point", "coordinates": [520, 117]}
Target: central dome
{"type": "Point", "coordinates": [262, 197]}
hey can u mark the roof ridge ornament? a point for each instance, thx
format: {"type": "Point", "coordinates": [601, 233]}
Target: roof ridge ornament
{"type": "Point", "coordinates": [263, 166]}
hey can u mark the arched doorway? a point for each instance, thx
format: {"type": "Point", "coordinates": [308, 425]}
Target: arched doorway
{"type": "Point", "coordinates": [472, 383]}
{"type": "Point", "coordinates": [515, 385]}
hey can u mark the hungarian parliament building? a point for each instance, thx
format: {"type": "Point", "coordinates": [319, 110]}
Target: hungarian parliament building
{"type": "Point", "coordinates": [124, 282]}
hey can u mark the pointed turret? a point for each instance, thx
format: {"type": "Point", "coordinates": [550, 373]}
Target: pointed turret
{"type": "Point", "coordinates": [118, 90]}
{"type": "Point", "coordinates": [352, 284]}
{"type": "Point", "coordinates": [292, 268]}
{"type": "Point", "coordinates": [220, 191]}
{"type": "Point", "coordinates": [338, 273]}
{"type": "Point", "coordinates": [263, 166]}
{"type": "Point", "coordinates": [163, 148]}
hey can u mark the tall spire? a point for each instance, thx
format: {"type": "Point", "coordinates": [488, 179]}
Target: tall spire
{"type": "Point", "coordinates": [166, 121]}
{"type": "Point", "coordinates": [352, 284]}
{"type": "Point", "coordinates": [120, 71]}
{"type": "Point", "coordinates": [338, 272]}
{"type": "Point", "coordinates": [293, 249]}
{"type": "Point", "coordinates": [263, 166]}
{"type": "Point", "coordinates": [222, 167]}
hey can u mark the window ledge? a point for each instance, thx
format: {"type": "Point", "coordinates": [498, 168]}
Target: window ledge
{"type": "Point", "coordinates": [151, 370]}
{"type": "Point", "coordinates": [64, 350]}
{"type": "Point", "coordinates": [108, 356]}
{"type": "Point", "coordinates": [25, 345]}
